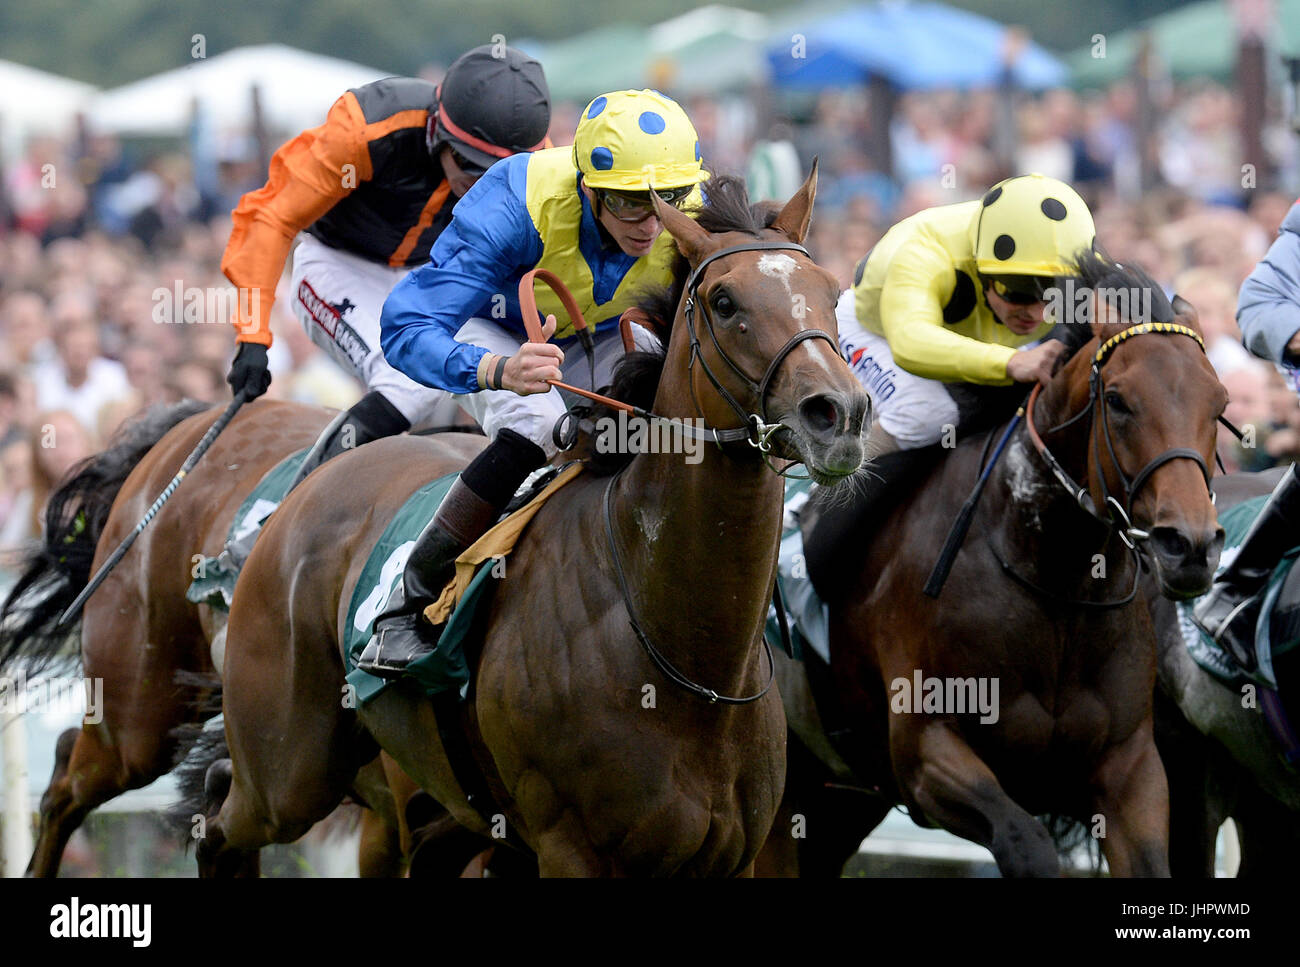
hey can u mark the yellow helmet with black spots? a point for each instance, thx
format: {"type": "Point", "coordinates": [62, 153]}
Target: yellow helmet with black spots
{"type": "Point", "coordinates": [637, 140]}
{"type": "Point", "coordinates": [1031, 225]}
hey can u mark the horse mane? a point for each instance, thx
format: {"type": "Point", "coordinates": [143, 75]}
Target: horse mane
{"type": "Point", "coordinates": [726, 208]}
{"type": "Point", "coordinates": [985, 407]}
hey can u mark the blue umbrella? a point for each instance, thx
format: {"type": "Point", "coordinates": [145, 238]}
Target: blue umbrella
{"type": "Point", "coordinates": [912, 45]}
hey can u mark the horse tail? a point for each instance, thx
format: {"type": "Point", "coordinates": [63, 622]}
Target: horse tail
{"type": "Point", "coordinates": [202, 780]}
{"type": "Point", "coordinates": [57, 568]}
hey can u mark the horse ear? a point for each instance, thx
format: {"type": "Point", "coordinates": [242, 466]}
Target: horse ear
{"type": "Point", "coordinates": [1186, 313]}
{"type": "Point", "coordinates": [1106, 320]}
{"type": "Point", "coordinates": [796, 216]}
{"type": "Point", "coordinates": [692, 240]}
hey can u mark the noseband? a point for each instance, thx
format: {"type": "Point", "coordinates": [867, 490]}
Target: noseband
{"type": "Point", "coordinates": [1128, 533]}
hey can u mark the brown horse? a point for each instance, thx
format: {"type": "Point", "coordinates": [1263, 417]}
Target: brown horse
{"type": "Point", "coordinates": [1221, 758]}
{"type": "Point", "coordinates": [603, 764]}
{"type": "Point", "coordinates": [152, 649]}
{"type": "Point", "coordinates": [1040, 605]}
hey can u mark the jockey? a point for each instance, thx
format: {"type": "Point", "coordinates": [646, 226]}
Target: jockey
{"type": "Point", "coordinates": [585, 214]}
{"type": "Point", "coordinates": [1268, 312]}
{"type": "Point", "coordinates": [372, 189]}
{"type": "Point", "coordinates": [949, 294]}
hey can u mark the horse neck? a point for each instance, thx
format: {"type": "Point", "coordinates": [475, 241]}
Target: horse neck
{"type": "Point", "coordinates": [1039, 521]}
{"type": "Point", "coordinates": [699, 541]}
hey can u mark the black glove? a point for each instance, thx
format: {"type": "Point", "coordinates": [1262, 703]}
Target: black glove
{"type": "Point", "coordinates": [248, 371]}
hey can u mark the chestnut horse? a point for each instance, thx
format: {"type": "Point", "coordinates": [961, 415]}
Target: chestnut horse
{"type": "Point", "coordinates": [1041, 603]}
{"type": "Point", "coordinates": [152, 649]}
{"type": "Point", "coordinates": [603, 762]}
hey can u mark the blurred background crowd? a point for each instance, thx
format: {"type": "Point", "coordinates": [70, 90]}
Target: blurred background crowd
{"type": "Point", "coordinates": [104, 240]}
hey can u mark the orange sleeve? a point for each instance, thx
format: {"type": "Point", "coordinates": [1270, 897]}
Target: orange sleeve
{"type": "Point", "coordinates": [308, 176]}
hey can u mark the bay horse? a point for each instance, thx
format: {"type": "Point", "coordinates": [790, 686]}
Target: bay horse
{"type": "Point", "coordinates": [151, 648]}
{"type": "Point", "coordinates": [604, 762]}
{"type": "Point", "coordinates": [1040, 604]}
{"type": "Point", "coordinates": [1219, 754]}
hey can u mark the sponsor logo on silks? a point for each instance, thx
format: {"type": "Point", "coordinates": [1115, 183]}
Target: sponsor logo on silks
{"type": "Point", "coordinates": [103, 921]}
{"type": "Point", "coordinates": [876, 378]}
{"type": "Point", "coordinates": [331, 321]}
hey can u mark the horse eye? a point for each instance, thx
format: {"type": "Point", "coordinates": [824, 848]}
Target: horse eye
{"type": "Point", "coordinates": [723, 305]}
{"type": "Point", "coordinates": [1116, 403]}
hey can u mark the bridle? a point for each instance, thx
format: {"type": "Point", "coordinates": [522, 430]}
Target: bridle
{"type": "Point", "coordinates": [1117, 515]}
{"type": "Point", "coordinates": [757, 430]}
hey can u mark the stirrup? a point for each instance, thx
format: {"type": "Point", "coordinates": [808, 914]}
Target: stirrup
{"type": "Point", "coordinates": [1240, 647]}
{"type": "Point", "coordinates": [394, 648]}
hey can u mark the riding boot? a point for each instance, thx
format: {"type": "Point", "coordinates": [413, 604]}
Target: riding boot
{"type": "Point", "coordinates": [371, 418]}
{"type": "Point", "coordinates": [402, 634]}
{"type": "Point", "coordinates": [1230, 611]}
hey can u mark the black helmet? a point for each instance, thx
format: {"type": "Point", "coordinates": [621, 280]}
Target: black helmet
{"type": "Point", "coordinates": [492, 103]}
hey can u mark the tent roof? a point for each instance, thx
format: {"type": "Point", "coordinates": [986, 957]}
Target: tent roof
{"type": "Point", "coordinates": [296, 90]}
{"type": "Point", "coordinates": [1198, 40]}
{"type": "Point", "coordinates": [36, 101]}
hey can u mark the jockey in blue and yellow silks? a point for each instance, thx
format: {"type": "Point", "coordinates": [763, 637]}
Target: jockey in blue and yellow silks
{"type": "Point", "coordinates": [585, 214]}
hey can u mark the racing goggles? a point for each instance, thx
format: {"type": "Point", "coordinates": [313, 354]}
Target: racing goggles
{"type": "Point", "coordinates": [1021, 290]}
{"type": "Point", "coordinates": [472, 169]}
{"type": "Point", "coordinates": [636, 206]}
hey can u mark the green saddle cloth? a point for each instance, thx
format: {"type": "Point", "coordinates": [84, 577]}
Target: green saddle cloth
{"type": "Point", "coordinates": [1236, 522]}
{"type": "Point", "coordinates": [214, 580]}
{"type": "Point", "coordinates": [444, 669]}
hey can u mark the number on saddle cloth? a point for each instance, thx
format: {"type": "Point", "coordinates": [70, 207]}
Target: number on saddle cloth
{"type": "Point", "coordinates": [214, 577]}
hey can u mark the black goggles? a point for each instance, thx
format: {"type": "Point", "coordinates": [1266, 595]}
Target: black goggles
{"type": "Point", "coordinates": [471, 168]}
{"type": "Point", "coordinates": [1021, 290]}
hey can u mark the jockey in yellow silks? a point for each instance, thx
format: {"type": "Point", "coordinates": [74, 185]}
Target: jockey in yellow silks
{"type": "Point", "coordinates": [585, 214]}
{"type": "Point", "coordinates": [950, 294]}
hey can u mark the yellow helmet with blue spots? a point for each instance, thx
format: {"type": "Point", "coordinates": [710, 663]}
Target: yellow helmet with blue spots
{"type": "Point", "coordinates": [637, 140]}
{"type": "Point", "coordinates": [1031, 225]}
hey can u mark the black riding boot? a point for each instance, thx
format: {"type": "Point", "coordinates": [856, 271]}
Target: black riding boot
{"type": "Point", "coordinates": [1229, 612]}
{"type": "Point", "coordinates": [370, 418]}
{"type": "Point", "coordinates": [402, 634]}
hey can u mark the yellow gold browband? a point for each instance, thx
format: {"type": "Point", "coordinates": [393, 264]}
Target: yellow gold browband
{"type": "Point", "coordinates": [1109, 345]}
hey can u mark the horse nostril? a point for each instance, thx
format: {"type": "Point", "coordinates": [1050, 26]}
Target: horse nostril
{"type": "Point", "coordinates": [819, 414]}
{"type": "Point", "coordinates": [1170, 543]}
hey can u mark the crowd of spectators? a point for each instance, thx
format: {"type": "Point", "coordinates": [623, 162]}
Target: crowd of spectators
{"type": "Point", "coordinates": [103, 248]}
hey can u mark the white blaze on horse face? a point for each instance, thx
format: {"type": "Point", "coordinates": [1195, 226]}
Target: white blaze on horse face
{"type": "Point", "coordinates": [778, 266]}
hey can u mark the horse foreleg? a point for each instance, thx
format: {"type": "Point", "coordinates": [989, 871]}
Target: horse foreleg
{"type": "Point", "coordinates": [950, 784]}
{"type": "Point", "coordinates": [1131, 797]}
{"type": "Point", "coordinates": [87, 773]}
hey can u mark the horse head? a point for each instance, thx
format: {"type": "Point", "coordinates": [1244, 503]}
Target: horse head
{"type": "Point", "coordinates": [754, 342]}
{"type": "Point", "coordinates": [1154, 402]}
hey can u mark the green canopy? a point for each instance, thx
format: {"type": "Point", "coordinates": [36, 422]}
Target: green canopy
{"type": "Point", "coordinates": [708, 50]}
{"type": "Point", "coordinates": [1198, 40]}
{"type": "Point", "coordinates": [611, 58]}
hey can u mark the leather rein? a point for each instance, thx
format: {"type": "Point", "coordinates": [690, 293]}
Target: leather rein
{"type": "Point", "coordinates": [756, 431]}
